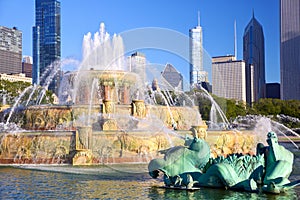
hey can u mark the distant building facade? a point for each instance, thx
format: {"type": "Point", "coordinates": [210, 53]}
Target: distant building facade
{"type": "Point", "coordinates": [173, 78]}
{"type": "Point", "coordinates": [273, 90]}
{"type": "Point", "coordinates": [207, 86]}
{"type": "Point", "coordinates": [290, 49]}
{"type": "Point", "coordinates": [10, 50]}
{"type": "Point", "coordinates": [46, 40]}
{"type": "Point", "coordinates": [15, 77]}
{"type": "Point", "coordinates": [229, 78]}
{"type": "Point", "coordinates": [27, 66]}
{"type": "Point", "coordinates": [137, 64]}
{"type": "Point", "coordinates": [197, 73]}
{"type": "Point", "coordinates": [154, 85]}
{"type": "Point", "coordinates": [254, 57]}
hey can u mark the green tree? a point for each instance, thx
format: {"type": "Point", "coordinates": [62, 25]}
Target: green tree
{"type": "Point", "coordinates": [204, 107]}
{"type": "Point", "coordinates": [10, 91]}
{"type": "Point", "coordinates": [235, 108]}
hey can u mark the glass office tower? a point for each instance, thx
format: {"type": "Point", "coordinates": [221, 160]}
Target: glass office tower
{"type": "Point", "coordinates": [290, 49]}
{"type": "Point", "coordinates": [199, 60]}
{"type": "Point", "coordinates": [46, 42]}
{"type": "Point", "coordinates": [196, 54]}
{"type": "Point", "coordinates": [254, 57]}
{"type": "Point", "coordinates": [197, 73]}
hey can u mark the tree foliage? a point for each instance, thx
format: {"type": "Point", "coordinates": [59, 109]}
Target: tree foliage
{"type": "Point", "coordinates": [277, 106]}
{"type": "Point", "coordinates": [233, 108]}
{"type": "Point", "coordinates": [10, 91]}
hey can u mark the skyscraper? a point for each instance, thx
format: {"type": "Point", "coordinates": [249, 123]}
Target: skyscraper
{"type": "Point", "coordinates": [254, 57]}
{"type": "Point", "coordinates": [10, 50]}
{"type": "Point", "coordinates": [27, 66]}
{"type": "Point", "coordinates": [173, 78]}
{"type": "Point", "coordinates": [273, 90]}
{"type": "Point", "coordinates": [229, 78]}
{"type": "Point", "coordinates": [197, 73]}
{"type": "Point", "coordinates": [290, 49]}
{"type": "Point", "coordinates": [137, 64]}
{"type": "Point", "coordinates": [46, 40]}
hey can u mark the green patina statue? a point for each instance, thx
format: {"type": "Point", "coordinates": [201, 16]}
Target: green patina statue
{"type": "Point", "coordinates": [190, 166]}
{"type": "Point", "coordinates": [279, 165]}
{"type": "Point", "coordinates": [181, 159]}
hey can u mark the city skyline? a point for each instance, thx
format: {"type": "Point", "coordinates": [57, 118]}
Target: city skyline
{"type": "Point", "coordinates": [79, 19]}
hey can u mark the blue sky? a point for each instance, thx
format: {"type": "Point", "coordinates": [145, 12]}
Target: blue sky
{"type": "Point", "coordinates": [79, 17]}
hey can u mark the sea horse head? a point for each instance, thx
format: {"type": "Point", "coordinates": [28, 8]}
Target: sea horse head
{"type": "Point", "coordinates": [202, 151]}
{"type": "Point", "coordinates": [272, 139]}
{"type": "Point", "coordinates": [196, 144]}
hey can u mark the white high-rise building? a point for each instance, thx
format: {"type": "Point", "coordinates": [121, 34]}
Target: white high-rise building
{"type": "Point", "coordinates": [137, 64]}
{"type": "Point", "coordinates": [229, 78]}
{"type": "Point", "coordinates": [197, 73]}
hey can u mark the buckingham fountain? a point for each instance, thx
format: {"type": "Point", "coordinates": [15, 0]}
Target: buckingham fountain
{"type": "Point", "coordinates": [107, 115]}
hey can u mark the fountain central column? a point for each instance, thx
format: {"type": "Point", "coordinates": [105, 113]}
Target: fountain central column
{"type": "Point", "coordinates": [106, 92]}
{"type": "Point", "coordinates": [108, 110]}
{"type": "Point", "coordinates": [126, 95]}
{"type": "Point", "coordinates": [84, 137]}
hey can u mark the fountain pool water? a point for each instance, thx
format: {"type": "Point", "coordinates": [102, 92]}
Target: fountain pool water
{"type": "Point", "coordinates": [109, 182]}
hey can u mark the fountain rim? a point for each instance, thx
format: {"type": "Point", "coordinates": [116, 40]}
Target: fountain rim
{"type": "Point", "coordinates": [108, 75]}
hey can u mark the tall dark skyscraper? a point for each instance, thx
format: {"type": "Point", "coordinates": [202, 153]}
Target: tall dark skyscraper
{"type": "Point", "coordinates": [46, 41]}
{"type": "Point", "coordinates": [254, 57]}
{"type": "Point", "coordinates": [290, 49]}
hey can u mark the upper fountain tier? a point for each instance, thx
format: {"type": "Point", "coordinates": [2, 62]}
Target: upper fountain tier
{"type": "Point", "coordinates": [103, 52]}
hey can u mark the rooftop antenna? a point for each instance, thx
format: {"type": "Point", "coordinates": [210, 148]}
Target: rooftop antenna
{"type": "Point", "coordinates": [235, 43]}
{"type": "Point", "coordinates": [198, 18]}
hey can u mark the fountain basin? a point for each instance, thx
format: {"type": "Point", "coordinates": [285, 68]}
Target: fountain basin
{"type": "Point", "coordinates": [74, 147]}
{"type": "Point", "coordinates": [48, 147]}
{"type": "Point", "coordinates": [58, 117]}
